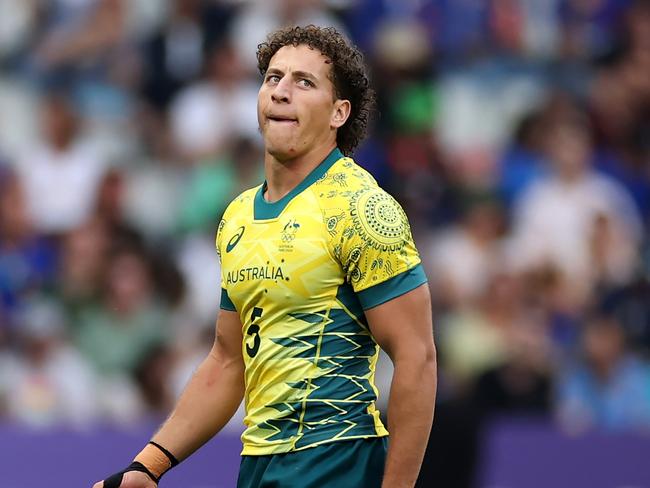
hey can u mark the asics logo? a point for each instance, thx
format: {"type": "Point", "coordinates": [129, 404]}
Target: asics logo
{"type": "Point", "coordinates": [235, 239]}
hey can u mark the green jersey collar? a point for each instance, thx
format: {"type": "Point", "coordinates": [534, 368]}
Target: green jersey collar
{"type": "Point", "coordinates": [264, 210]}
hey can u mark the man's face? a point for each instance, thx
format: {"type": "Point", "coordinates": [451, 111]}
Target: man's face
{"type": "Point", "coordinates": [296, 106]}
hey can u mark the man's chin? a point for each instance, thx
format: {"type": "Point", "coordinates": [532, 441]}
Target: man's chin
{"type": "Point", "coordinates": [282, 152]}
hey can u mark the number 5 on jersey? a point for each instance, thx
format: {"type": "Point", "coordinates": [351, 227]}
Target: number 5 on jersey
{"type": "Point", "coordinates": [254, 330]}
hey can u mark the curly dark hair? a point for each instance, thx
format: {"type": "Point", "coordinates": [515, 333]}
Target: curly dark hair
{"type": "Point", "coordinates": [349, 74]}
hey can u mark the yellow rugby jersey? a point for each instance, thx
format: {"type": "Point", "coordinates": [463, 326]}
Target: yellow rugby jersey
{"type": "Point", "coordinates": [300, 272]}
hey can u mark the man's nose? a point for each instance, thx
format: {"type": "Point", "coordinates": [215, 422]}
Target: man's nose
{"type": "Point", "coordinates": [282, 91]}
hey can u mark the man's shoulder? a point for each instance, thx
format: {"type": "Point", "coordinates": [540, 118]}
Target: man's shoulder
{"type": "Point", "coordinates": [241, 202]}
{"type": "Point", "coordinates": [344, 180]}
{"type": "Point", "coordinates": [239, 206]}
{"type": "Point", "coordinates": [358, 212]}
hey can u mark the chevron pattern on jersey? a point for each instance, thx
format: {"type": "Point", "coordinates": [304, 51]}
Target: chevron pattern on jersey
{"type": "Point", "coordinates": [334, 404]}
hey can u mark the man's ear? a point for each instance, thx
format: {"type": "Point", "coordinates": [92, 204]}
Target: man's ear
{"type": "Point", "coordinates": [340, 113]}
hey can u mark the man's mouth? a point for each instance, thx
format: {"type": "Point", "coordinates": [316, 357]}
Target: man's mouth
{"type": "Point", "coordinates": [283, 119]}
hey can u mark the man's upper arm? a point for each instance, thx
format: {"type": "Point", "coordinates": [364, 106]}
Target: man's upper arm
{"type": "Point", "coordinates": [381, 263]}
{"type": "Point", "coordinates": [376, 248]}
{"type": "Point", "coordinates": [403, 326]}
{"type": "Point", "coordinates": [228, 337]}
{"type": "Point", "coordinates": [228, 333]}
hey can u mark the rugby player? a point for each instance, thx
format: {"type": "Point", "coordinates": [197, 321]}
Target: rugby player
{"type": "Point", "coordinates": [319, 270]}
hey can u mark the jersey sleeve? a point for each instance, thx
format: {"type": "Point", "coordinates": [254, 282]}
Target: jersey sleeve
{"type": "Point", "coordinates": [375, 248]}
{"type": "Point", "coordinates": [225, 303]}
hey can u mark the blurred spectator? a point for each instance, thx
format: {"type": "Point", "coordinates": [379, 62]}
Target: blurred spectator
{"type": "Point", "coordinates": [463, 29]}
{"type": "Point", "coordinates": [507, 23]}
{"type": "Point", "coordinates": [630, 305]}
{"type": "Point", "coordinates": [465, 256]}
{"type": "Point", "coordinates": [558, 216]}
{"type": "Point", "coordinates": [214, 182]}
{"type": "Point", "coordinates": [79, 34]}
{"type": "Point", "coordinates": [16, 22]}
{"type": "Point", "coordinates": [62, 173]}
{"type": "Point", "coordinates": [406, 148]}
{"type": "Point", "coordinates": [205, 115]}
{"type": "Point", "coordinates": [522, 160]}
{"type": "Point", "coordinates": [176, 54]}
{"type": "Point", "coordinates": [540, 31]}
{"type": "Point", "coordinates": [128, 322]}
{"type": "Point", "coordinates": [589, 27]}
{"type": "Point", "coordinates": [84, 259]}
{"type": "Point", "coordinates": [47, 381]}
{"type": "Point", "coordinates": [200, 268]}
{"type": "Point", "coordinates": [109, 204]}
{"type": "Point", "coordinates": [612, 257]}
{"type": "Point", "coordinates": [523, 383]}
{"type": "Point", "coordinates": [608, 387]}
{"type": "Point", "coordinates": [150, 197]}
{"type": "Point", "coordinates": [151, 377]}
{"type": "Point", "coordinates": [477, 338]}
{"type": "Point", "coordinates": [620, 98]}
{"type": "Point", "coordinates": [364, 18]}
{"type": "Point", "coordinates": [256, 19]}
{"type": "Point", "coordinates": [28, 261]}
{"type": "Point", "coordinates": [478, 112]}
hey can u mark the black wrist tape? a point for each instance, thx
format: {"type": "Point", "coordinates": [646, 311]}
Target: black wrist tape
{"type": "Point", "coordinates": [115, 480]}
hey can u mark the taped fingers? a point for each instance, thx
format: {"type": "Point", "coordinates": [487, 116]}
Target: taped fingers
{"type": "Point", "coordinates": [114, 481]}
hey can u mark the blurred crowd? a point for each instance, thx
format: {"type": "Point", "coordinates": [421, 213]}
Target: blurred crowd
{"type": "Point", "coordinates": [516, 134]}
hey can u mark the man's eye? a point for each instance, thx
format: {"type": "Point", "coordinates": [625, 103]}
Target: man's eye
{"type": "Point", "coordinates": [305, 83]}
{"type": "Point", "coordinates": [272, 78]}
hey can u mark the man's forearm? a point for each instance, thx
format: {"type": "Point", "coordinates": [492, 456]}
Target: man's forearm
{"type": "Point", "coordinates": [208, 402]}
{"type": "Point", "coordinates": [410, 414]}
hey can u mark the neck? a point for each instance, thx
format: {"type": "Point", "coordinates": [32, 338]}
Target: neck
{"type": "Point", "coordinates": [282, 176]}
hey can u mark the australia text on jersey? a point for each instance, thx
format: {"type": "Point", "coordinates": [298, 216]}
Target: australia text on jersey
{"type": "Point", "coordinates": [256, 273]}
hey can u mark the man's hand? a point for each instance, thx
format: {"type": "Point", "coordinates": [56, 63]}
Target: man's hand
{"type": "Point", "coordinates": [130, 479]}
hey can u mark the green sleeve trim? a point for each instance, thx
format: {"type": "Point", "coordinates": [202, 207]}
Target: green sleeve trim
{"type": "Point", "coordinates": [396, 286]}
{"type": "Point", "coordinates": [226, 302]}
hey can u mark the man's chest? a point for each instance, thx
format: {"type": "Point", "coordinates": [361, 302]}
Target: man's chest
{"type": "Point", "coordinates": [284, 262]}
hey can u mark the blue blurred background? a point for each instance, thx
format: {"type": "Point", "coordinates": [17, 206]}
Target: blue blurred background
{"type": "Point", "coordinates": [516, 134]}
